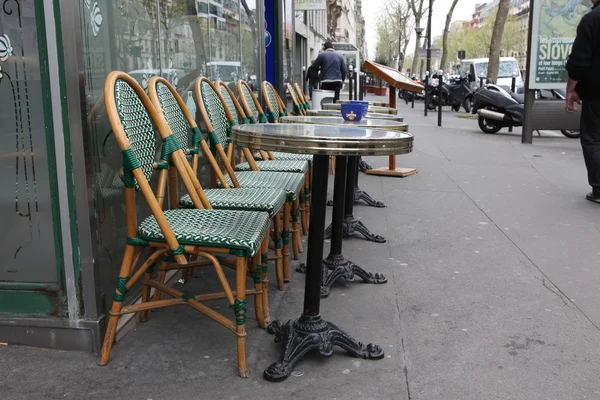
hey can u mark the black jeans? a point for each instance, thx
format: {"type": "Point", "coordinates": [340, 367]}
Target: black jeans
{"type": "Point", "coordinates": [590, 141]}
{"type": "Point", "coordinates": [335, 86]}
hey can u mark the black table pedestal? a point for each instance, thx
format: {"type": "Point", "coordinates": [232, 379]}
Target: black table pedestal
{"type": "Point", "coordinates": [310, 331]}
{"type": "Point", "coordinates": [350, 224]}
{"type": "Point", "coordinates": [363, 166]}
{"type": "Point", "coordinates": [336, 265]}
{"type": "Point", "coordinates": [360, 194]}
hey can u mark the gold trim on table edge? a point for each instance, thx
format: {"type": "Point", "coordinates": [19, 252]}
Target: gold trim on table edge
{"type": "Point", "coordinates": [403, 128]}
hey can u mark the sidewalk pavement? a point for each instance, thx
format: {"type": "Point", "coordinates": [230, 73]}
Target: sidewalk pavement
{"type": "Point", "coordinates": [493, 293]}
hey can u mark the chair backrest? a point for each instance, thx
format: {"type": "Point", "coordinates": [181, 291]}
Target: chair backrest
{"type": "Point", "coordinates": [167, 101]}
{"type": "Point", "coordinates": [298, 107]}
{"type": "Point", "coordinates": [132, 118]}
{"type": "Point", "coordinates": [250, 103]}
{"type": "Point", "coordinates": [218, 121]}
{"type": "Point", "coordinates": [273, 101]}
{"type": "Point", "coordinates": [232, 103]}
{"type": "Point", "coordinates": [302, 96]}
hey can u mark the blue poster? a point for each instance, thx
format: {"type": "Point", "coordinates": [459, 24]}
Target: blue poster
{"type": "Point", "coordinates": [270, 29]}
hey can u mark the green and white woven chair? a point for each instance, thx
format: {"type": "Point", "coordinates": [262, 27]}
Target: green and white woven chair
{"type": "Point", "coordinates": [168, 102]}
{"type": "Point", "coordinates": [170, 237]}
{"type": "Point", "coordinates": [302, 96]}
{"type": "Point", "coordinates": [218, 121]}
{"type": "Point", "coordinates": [267, 164]}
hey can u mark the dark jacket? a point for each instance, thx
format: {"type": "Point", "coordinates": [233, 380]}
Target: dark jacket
{"type": "Point", "coordinates": [333, 66]}
{"type": "Point", "coordinates": [584, 62]}
{"type": "Point", "coordinates": [312, 75]}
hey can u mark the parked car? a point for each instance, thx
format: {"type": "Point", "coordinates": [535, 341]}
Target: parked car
{"type": "Point", "coordinates": [478, 67]}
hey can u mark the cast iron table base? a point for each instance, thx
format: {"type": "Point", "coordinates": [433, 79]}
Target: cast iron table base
{"type": "Point", "coordinates": [363, 166]}
{"type": "Point", "coordinates": [310, 331]}
{"type": "Point", "coordinates": [364, 196]}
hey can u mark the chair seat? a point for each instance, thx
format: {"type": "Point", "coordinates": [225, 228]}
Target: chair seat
{"type": "Point", "coordinates": [270, 201]}
{"type": "Point", "coordinates": [297, 166]}
{"type": "Point", "coordinates": [288, 156]}
{"type": "Point", "coordinates": [289, 182]}
{"type": "Point", "coordinates": [242, 232]}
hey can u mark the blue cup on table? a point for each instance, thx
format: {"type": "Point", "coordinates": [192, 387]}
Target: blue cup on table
{"type": "Point", "coordinates": [352, 112]}
{"type": "Point", "coordinates": [364, 104]}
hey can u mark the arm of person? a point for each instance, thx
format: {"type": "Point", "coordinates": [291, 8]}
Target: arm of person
{"type": "Point", "coordinates": [580, 61]}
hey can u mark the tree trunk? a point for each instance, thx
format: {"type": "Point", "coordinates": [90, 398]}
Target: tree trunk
{"type": "Point", "coordinates": [415, 58]}
{"type": "Point", "coordinates": [445, 38]}
{"type": "Point", "coordinates": [495, 45]}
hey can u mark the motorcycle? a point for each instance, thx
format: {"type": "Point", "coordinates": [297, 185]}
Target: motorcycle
{"type": "Point", "coordinates": [499, 108]}
{"type": "Point", "coordinates": [455, 93]}
{"type": "Point", "coordinates": [407, 95]}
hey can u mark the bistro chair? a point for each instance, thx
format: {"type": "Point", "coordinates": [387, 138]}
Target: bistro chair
{"type": "Point", "coordinates": [302, 96]}
{"type": "Point", "coordinates": [298, 105]}
{"type": "Point", "coordinates": [277, 165]}
{"type": "Point", "coordinates": [170, 237]}
{"type": "Point", "coordinates": [168, 102]}
{"type": "Point", "coordinates": [218, 121]}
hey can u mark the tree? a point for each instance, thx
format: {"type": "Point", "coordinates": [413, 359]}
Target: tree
{"type": "Point", "coordinates": [394, 29]}
{"type": "Point", "coordinates": [446, 33]}
{"type": "Point", "coordinates": [386, 51]}
{"type": "Point", "coordinates": [418, 10]}
{"type": "Point", "coordinates": [496, 40]}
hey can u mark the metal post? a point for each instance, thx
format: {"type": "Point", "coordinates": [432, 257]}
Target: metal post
{"type": "Point", "coordinates": [440, 84]}
{"type": "Point", "coordinates": [428, 47]}
{"type": "Point", "coordinates": [414, 94]}
{"type": "Point", "coordinates": [426, 93]}
{"type": "Point", "coordinates": [513, 88]}
{"type": "Point", "coordinates": [481, 81]}
{"type": "Point", "coordinates": [350, 86]}
{"type": "Point", "coordinates": [361, 83]}
{"type": "Point", "coordinates": [527, 135]}
{"type": "Point", "coordinates": [356, 84]}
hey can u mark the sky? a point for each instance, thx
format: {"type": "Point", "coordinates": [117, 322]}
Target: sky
{"type": "Point", "coordinates": [463, 11]}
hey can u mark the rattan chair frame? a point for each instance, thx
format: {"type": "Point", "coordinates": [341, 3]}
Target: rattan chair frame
{"type": "Point", "coordinates": [134, 250]}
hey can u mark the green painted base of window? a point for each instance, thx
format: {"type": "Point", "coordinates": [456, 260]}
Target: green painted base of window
{"type": "Point", "coordinates": [42, 302]}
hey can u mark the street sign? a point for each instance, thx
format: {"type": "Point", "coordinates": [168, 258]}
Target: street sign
{"type": "Point", "coordinates": [462, 55]}
{"type": "Point", "coordinates": [436, 54]}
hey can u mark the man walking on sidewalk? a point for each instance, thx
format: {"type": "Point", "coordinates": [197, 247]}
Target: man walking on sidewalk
{"type": "Point", "coordinates": [333, 70]}
{"type": "Point", "coordinates": [584, 86]}
{"type": "Point", "coordinates": [312, 76]}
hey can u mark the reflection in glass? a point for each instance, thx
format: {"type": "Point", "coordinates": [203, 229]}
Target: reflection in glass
{"type": "Point", "coordinates": [176, 39]}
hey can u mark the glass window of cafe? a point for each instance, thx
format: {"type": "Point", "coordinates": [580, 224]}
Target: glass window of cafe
{"type": "Point", "coordinates": [176, 39]}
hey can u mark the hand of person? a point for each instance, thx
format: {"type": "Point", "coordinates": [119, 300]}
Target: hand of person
{"type": "Point", "coordinates": [572, 100]}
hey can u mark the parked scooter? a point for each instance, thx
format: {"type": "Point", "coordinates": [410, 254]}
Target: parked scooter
{"type": "Point", "coordinates": [500, 108]}
{"type": "Point", "coordinates": [407, 95]}
{"type": "Point", "coordinates": [455, 93]}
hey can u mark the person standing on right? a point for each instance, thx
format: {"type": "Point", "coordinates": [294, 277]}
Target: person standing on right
{"type": "Point", "coordinates": [583, 86]}
{"type": "Point", "coordinates": [333, 70]}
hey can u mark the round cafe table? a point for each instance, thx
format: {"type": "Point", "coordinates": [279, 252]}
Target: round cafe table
{"type": "Point", "coordinates": [371, 109]}
{"type": "Point", "coordinates": [351, 224]}
{"type": "Point", "coordinates": [371, 103]}
{"type": "Point", "coordinates": [336, 113]}
{"type": "Point", "coordinates": [310, 331]}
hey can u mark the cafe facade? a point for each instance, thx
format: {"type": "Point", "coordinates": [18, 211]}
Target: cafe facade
{"type": "Point", "coordinates": [63, 214]}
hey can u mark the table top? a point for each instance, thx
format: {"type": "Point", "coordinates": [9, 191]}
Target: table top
{"type": "Point", "coordinates": [363, 123]}
{"type": "Point", "coordinates": [322, 139]}
{"type": "Point", "coordinates": [371, 103]}
{"type": "Point", "coordinates": [334, 113]}
{"type": "Point", "coordinates": [373, 109]}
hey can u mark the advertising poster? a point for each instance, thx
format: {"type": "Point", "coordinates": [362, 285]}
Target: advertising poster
{"type": "Point", "coordinates": [304, 5]}
{"type": "Point", "coordinates": [552, 35]}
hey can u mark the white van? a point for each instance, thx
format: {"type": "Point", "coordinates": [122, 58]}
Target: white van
{"type": "Point", "coordinates": [478, 67]}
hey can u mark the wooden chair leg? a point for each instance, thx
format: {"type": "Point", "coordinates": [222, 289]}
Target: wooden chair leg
{"type": "Point", "coordinates": [143, 315]}
{"type": "Point", "coordinates": [117, 305]}
{"type": "Point", "coordinates": [256, 272]}
{"type": "Point", "coordinates": [285, 235]}
{"type": "Point", "coordinates": [265, 280]}
{"type": "Point", "coordinates": [333, 164]}
{"type": "Point", "coordinates": [303, 211]}
{"type": "Point", "coordinates": [162, 277]}
{"type": "Point", "coordinates": [277, 240]}
{"type": "Point", "coordinates": [297, 239]}
{"type": "Point", "coordinates": [239, 308]}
